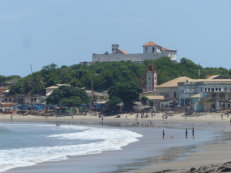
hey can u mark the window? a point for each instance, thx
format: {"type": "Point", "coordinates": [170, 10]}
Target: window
{"type": "Point", "coordinates": [174, 94]}
{"type": "Point", "coordinates": [208, 89]}
{"type": "Point", "coordinates": [219, 89]}
{"type": "Point", "coordinates": [216, 89]}
{"type": "Point", "coordinates": [222, 96]}
{"type": "Point", "coordinates": [205, 89]}
{"type": "Point", "coordinates": [153, 49]}
{"type": "Point", "coordinates": [212, 89]}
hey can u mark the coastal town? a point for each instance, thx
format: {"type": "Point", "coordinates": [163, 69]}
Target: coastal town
{"type": "Point", "coordinates": [179, 95]}
{"type": "Point", "coordinates": [115, 86]}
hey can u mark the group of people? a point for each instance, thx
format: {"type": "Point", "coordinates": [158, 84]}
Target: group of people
{"type": "Point", "coordinates": [186, 133]}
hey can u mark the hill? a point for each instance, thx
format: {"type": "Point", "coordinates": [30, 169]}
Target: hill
{"type": "Point", "coordinates": [104, 75]}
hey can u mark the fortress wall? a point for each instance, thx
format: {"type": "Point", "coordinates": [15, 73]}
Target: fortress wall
{"type": "Point", "coordinates": [129, 57]}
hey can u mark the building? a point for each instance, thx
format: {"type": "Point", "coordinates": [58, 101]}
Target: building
{"type": "Point", "coordinates": [3, 91]}
{"type": "Point", "coordinates": [27, 100]}
{"type": "Point", "coordinates": [170, 89]}
{"type": "Point", "coordinates": [151, 79]}
{"type": "Point", "coordinates": [50, 90]}
{"type": "Point", "coordinates": [155, 100]}
{"type": "Point", "coordinates": [151, 51]}
{"type": "Point", "coordinates": [211, 94]}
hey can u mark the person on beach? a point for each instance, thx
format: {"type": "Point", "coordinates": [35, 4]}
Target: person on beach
{"type": "Point", "coordinates": [222, 116]}
{"type": "Point", "coordinates": [230, 121]}
{"type": "Point", "coordinates": [163, 133]}
{"type": "Point", "coordinates": [186, 133]}
{"type": "Point", "coordinates": [193, 132]}
{"type": "Point", "coordinates": [11, 118]}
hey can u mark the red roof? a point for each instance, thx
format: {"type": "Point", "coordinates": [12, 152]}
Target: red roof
{"type": "Point", "coordinates": [123, 51]}
{"type": "Point", "coordinates": [150, 43]}
{"type": "Point", "coordinates": [164, 49]}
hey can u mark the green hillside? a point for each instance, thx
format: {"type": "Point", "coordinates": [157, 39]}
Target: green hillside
{"type": "Point", "coordinates": [105, 75]}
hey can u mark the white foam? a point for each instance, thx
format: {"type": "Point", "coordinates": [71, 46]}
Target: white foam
{"type": "Point", "coordinates": [110, 139]}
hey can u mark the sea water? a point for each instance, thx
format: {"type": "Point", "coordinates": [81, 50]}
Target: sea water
{"type": "Point", "coordinates": [27, 144]}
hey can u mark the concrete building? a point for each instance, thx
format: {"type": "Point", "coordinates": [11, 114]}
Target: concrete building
{"type": "Point", "coordinates": [170, 89]}
{"type": "Point", "coordinates": [33, 99]}
{"type": "Point", "coordinates": [151, 79]}
{"type": "Point", "coordinates": [205, 94]}
{"type": "Point", "coordinates": [151, 51]}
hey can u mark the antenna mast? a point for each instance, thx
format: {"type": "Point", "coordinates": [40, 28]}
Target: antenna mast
{"type": "Point", "coordinates": [31, 68]}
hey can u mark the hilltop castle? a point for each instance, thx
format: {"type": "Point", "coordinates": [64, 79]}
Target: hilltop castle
{"type": "Point", "coordinates": [151, 51]}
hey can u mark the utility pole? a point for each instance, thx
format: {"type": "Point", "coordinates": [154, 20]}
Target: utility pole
{"type": "Point", "coordinates": [31, 69]}
{"type": "Point", "coordinates": [92, 93]}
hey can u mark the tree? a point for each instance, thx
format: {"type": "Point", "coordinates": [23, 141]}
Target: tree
{"type": "Point", "coordinates": [68, 96]}
{"type": "Point", "coordinates": [144, 100]}
{"type": "Point", "coordinates": [126, 92]}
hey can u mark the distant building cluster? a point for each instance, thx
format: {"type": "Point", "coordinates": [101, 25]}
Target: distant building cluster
{"type": "Point", "coordinates": [151, 51]}
{"type": "Point", "coordinates": [198, 95]}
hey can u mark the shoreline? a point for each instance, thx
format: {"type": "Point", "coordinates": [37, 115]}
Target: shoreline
{"type": "Point", "coordinates": [194, 160]}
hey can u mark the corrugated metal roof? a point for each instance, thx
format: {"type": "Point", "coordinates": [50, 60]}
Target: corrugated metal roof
{"type": "Point", "coordinates": [155, 97]}
{"type": "Point", "coordinates": [196, 96]}
{"type": "Point", "coordinates": [174, 83]}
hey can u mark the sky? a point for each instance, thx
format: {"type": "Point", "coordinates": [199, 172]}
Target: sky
{"type": "Point", "coordinates": [67, 32]}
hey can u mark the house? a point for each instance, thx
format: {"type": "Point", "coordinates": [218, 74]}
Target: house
{"type": "Point", "coordinates": [33, 99]}
{"type": "Point", "coordinates": [3, 90]}
{"type": "Point", "coordinates": [170, 89]}
{"type": "Point", "coordinates": [50, 90]}
{"type": "Point", "coordinates": [155, 100]}
{"type": "Point", "coordinates": [205, 94]}
{"type": "Point", "coordinates": [151, 51]}
{"type": "Point", "coordinates": [99, 97]}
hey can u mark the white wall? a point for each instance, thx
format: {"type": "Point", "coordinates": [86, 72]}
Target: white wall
{"type": "Point", "coordinates": [129, 57]}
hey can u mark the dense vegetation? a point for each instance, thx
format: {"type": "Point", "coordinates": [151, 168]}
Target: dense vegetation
{"type": "Point", "coordinates": [10, 79]}
{"type": "Point", "coordinates": [124, 92]}
{"type": "Point", "coordinates": [105, 75]}
{"type": "Point", "coordinates": [68, 96]}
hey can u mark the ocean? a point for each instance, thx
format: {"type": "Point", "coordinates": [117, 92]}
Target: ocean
{"type": "Point", "coordinates": [28, 144]}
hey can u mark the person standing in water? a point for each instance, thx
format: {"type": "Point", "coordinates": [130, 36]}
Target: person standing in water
{"type": "Point", "coordinates": [193, 132]}
{"type": "Point", "coordinates": [163, 133]}
{"type": "Point", "coordinates": [186, 133]}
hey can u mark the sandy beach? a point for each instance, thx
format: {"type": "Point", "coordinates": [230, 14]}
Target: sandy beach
{"type": "Point", "coordinates": [215, 153]}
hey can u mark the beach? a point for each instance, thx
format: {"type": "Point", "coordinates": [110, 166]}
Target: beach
{"type": "Point", "coordinates": [173, 159]}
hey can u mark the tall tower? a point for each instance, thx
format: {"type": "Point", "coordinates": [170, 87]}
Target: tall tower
{"type": "Point", "coordinates": [151, 79]}
{"type": "Point", "coordinates": [115, 47]}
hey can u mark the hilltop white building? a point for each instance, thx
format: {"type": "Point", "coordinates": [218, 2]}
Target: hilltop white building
{"type": "Point", "coordinates": [151, 51]}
